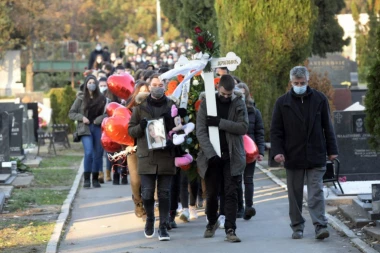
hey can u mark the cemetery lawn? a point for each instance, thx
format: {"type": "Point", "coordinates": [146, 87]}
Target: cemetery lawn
{"type": "Point", "coordinates": [30, 214]}
{"type": "Point", "coordinates": [279, 172]}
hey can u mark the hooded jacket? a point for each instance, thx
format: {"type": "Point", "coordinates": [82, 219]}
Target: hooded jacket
{"type": "Point", "coordinates": [77, 112]}
{"type": "Point", "coordinates": [235, 127]}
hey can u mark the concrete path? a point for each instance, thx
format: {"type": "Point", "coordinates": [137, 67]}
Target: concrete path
{"type": "Point", "coordinates": [102, 220]}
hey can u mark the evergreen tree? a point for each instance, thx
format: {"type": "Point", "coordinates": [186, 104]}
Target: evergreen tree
{"type": "Point", "coordinates": [270, 37]}
{"type": "Point", "coordinates": [328, 34]}
{"type": "Point", "coordinates": [68, 98]}
{"type": "Point", "coordinates": [187, 14]}
{"type": "Point", "coordinates": [55, 108]}
{"type": "Point", "coordinates": [372, 99]}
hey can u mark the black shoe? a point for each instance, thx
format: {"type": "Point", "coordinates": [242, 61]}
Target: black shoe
{"type": "Point", "coordinates": [321, 233]}
{"type": "Point", "coordinates": [95, 180]}
{"type": "Point", "coordinates": [163, 234]}
{"type": "Point", "coordinates": [172, 224]}
{"type": "Point", "coordinates": [124, 176]}
{"type": "Point", "coordinates": [240, 213]}
{"type": "Point", "coordinates": [149, 228]}
{"type": "Point", "coordinates": [249, 213]}
{"type": "Point", "coordinates": [231, 236]}
{"type": "Point", "coordinates": [116, 178]}
{"type": "Point", "coordinates": [87, 181]}
{"type": "Point", "coordinates": [297, 234]}
{"type": "Point", "coordinates": [210, 230]}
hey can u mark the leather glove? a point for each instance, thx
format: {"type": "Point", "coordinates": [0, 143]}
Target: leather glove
{"type": "Point", "coordinates": [143, 124]}
{"type": "Point", "coordinates": [182, 112]}
{"type": "Point", "coordinates": [169, 145]}
{"type": "Point", "coordinates": [214, 161]}
{"type": "Point", "coordinates": [213, 121]}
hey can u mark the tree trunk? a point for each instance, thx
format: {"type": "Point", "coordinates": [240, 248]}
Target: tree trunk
{"type": "Point", "coordinates": [29, 71]}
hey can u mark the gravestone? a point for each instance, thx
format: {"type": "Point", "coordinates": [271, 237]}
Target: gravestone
{"type": "Point", "coordinates": [358, 162]}
{"type": "Point", "coordinates": [34, 108]}
{"type": "Point", "coordinates": [16, 138]}
{"type": "Point", "coordinates": [10, 74]}
{"type": "Point", "coordinates": [340, 70]}
{"type": "Point", "coordinates": [4, 137]}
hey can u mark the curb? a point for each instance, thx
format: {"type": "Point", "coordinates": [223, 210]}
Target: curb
{"type": "Point", "coordinates": [334, 222]}
{"type": "Point", "coordinates": [52, 245]}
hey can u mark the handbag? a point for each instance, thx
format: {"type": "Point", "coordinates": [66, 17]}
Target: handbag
{"type": "Point", "coordinates": [76, 137]}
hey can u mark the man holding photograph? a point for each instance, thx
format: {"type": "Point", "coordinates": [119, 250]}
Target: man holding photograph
{"type": "Point", "coordinates": [154, 164]}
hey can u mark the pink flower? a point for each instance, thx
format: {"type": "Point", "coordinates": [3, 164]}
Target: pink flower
{"type": "Point", "coordinates": [200, 39]}
{"type": "Point", "coordinates": [209, 44]}
{"type": "Point", "coordinates": [197, 30]}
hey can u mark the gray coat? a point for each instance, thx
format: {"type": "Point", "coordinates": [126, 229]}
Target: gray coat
{"type": "Point", "coordinates": [77, 112]}
{"type": "Point", "coordinates": [160, 161]}
{"type": "Point", "coordinates": [235, 127]}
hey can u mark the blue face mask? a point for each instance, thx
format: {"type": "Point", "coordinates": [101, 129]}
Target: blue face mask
{"type": "Point", "coordinates": [300, 90]}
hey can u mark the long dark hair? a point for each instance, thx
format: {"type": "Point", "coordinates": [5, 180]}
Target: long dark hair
{"type": "Point", "coordinates": [97, 97]}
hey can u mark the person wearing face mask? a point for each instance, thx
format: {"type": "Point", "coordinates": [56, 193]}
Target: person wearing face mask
{"type": "Point", "coordinates": [154, 165]}
{"type": "Point", "coordinates": [256, 133]}
{"type": "Point", "coordinates": [88, 110]}
{"type": "Point", "coordinates": [302, 136]}
{"type": "Point", "coordinates": [92, 59]}
{"type": "Point", "coordinates": [224, 170]}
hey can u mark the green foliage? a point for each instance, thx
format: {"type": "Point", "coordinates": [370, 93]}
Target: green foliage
{"type": "Point", "coordinates": [187, 14]}
{"type": "Point", "coordinates": [328, 34]}
{"type": "Point", "coordinates": [270, 37]}
{"type": "Point", "coordinates": [6, 27]}
{"type": "Point", "coordinates": [20, 165]}
{"type": "Point", "coordinates": [61, 100]}
{"type": "Point", "coordinates": [366, 39]}
{"type": "Point", "coordinates": [372, 99]}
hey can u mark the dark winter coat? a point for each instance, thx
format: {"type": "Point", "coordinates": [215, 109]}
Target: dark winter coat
{"type": "Point", "coordinates": [92, 58]}
{"type": "Point", "coordinates": [256, 128]}
{"type": "Point", "coordinates": [160, 161]}
{"type": "Point", "coordinates": [235, 127]}
{"type": "Point", "coordinates": [305, 144]}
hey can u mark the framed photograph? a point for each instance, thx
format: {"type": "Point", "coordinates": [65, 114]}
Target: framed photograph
{"type": "Point", "coordinates": [155, 134]}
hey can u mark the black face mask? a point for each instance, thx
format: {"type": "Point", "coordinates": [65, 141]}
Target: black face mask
{"type": "Point", "coordinates": [224, 100]}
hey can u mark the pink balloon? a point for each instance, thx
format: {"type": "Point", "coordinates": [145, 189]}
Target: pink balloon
{"type": "Point", "coordinates": [111, 107]}
{"type": "Point", "coordinates": [116, 127]}
{"type": "Point", "coordinates": [109, 145]}
{"type": "Point", "coordinates": [251, 150]}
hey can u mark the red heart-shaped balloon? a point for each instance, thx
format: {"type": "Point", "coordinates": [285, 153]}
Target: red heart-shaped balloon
{"type": "Point", "coordinates": [111, 107]}
{"type": "Point", "coordinates": [122, 112]}
{"type": "Point", "coordinates": [121, 85]}
{"type": "Point", "coordinates": [116, 128]}
{"type": "Point", "coordinates": [109, 145]}
{"type": "Point", "coordinates": [251, 150]}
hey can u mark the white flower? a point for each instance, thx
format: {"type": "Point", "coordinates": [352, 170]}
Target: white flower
{"type": "Point", "coordinates": [195, 82]}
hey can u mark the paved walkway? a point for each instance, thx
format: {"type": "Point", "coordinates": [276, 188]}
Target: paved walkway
{"type": "Point", "coordinates": [102, 220]}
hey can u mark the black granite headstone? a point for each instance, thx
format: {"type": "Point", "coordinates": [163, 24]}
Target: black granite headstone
{"type": "Point", "coordinates": [16, 122]}
{"type": "Point", "coordinates": [34, 108]}
{"type": "Point", "coordinates": [4, 137]}
{"type": "Point", "coordinates": [358, 162]}
{"type": "Point", "coordinates": [338, 68]}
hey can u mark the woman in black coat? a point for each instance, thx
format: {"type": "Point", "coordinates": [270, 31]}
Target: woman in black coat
{"type": "Point", "coordinates": [256, 133]}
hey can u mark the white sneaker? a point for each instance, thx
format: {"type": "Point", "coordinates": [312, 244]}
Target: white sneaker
{"type": "Point", "coordinates": [193, 213]}
{"type": "Point", "coordinates": [179, 209]}
{"type": "Point", "coordinates": [221, 220]}
{"type": "Point", "coordinates": [185, 215]}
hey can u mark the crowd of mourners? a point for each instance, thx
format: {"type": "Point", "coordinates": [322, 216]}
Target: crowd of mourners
{"type": "Point", "coordinates": [160, 189]}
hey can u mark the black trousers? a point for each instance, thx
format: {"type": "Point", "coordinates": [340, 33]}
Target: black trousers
{"type": "Point", "coordinates": [248, 186]}
{"type": "Point", "coordinates": [148, 186]}
{"type": "Point", "coordinates": [179, 190]}
{"type": "Point", "coordinates": [214, 177]}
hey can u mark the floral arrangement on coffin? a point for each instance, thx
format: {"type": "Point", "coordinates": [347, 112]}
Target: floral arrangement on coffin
{"type": "Point", "coordinates": [204, 42]}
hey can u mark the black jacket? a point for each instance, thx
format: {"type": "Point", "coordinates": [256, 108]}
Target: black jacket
{"type": "Point", "coordinates": [256, 128]}
{"type": "Point", "coordinates": [304, 144]}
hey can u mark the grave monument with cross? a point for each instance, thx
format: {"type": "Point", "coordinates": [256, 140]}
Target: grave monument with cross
{"type": "Point", "coordinates": [189, 68]}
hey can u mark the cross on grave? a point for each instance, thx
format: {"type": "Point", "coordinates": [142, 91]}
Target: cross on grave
{"type": "Point", "coordinates": [190, 68]}
{"type": "Point", "coordinates": [338, 117]}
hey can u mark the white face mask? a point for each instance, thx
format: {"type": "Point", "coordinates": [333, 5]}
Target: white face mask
{"type": "Point", "coordinates": [170, 61]}
{"type": "Point", "coordinates": [98, 48]}
{"type": "Point", "coordinates": [103, 89]}
{"type": "Point", "coordinates": [149, 50]}
{"type": "Point", "coordinates": [138, 59]}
